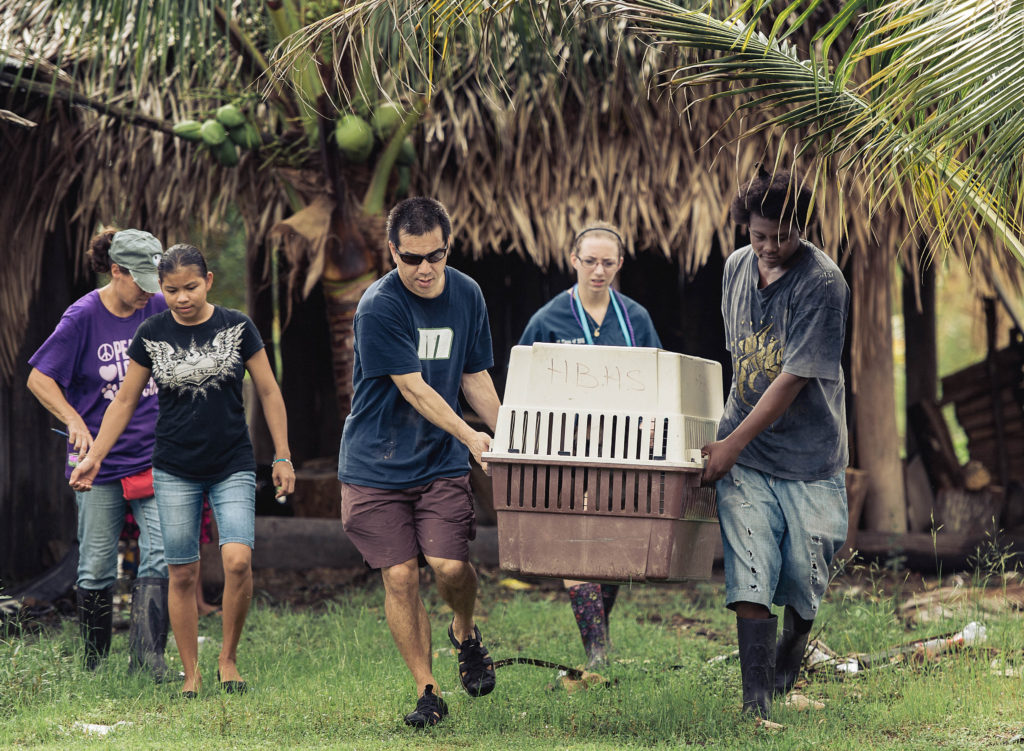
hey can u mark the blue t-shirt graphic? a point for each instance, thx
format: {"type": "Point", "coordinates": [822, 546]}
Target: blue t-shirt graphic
{"type": "Point", "coordinates": [386, 443]}
{"type": "Point", "coordinates": [797, 325]}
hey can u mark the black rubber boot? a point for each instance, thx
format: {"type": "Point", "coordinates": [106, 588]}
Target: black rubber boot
{"type": "Point", "coordinates": [96, 618]}
{"type": "Point", "coordinates": [147, 635]}
{"type": "Point", "coordinates": [757, 663]}
{"type": "Point", "coordinates": [789, 651]}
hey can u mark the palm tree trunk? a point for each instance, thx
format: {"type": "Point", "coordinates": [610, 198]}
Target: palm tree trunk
{"type": "Point", "coordinates": [342, 297]}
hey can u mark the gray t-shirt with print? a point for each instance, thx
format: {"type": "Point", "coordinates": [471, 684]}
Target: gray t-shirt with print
{"type": "Point", "coordinates": [796, 325]}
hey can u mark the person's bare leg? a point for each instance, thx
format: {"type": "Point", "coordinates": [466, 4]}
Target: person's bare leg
{"type": "Point", "coordinates": [751, 610]}
{"type": "Point", "coordinates": [457, 585]}
{"type": "Point", "coordinates": [181, 607]}
{"type": "Point", "coordinates": [237, 560]}
{"type": "Point", "coordinates": [408, 621]}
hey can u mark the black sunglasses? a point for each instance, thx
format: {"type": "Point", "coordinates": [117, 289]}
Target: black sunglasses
{"type": "Point", "coordinates": [415, 260]}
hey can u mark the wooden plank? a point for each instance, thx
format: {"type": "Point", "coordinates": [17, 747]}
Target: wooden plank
{"type": "Point", "coordinates": [936, 447]}
{"type": "Point", "coordinates": [983, 399]}
{"type": "Point", "coordinates": [981, 412]}
{"type": "Point", "coordinates": [297, 543]}
{"type": "Point", "coordinates": [1005, 381]}
{"type": "Point", "coordinates": [1009, 360]}
{"type": "Point", "coordinates": [986, 451]}
{"type": "Point", "coordinates": [989, 432]}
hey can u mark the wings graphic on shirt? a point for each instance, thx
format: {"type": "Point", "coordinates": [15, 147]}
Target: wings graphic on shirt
{"type": "Point", "coordinates": [197, 368]}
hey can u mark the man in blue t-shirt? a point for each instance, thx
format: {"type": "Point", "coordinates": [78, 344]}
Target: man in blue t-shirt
{"type": "Point", "coordinates": [421, 335]}
{"type": "Point", "coordinates": [781, 452]}
{"type": "Point", "coordinates": [592, 312]}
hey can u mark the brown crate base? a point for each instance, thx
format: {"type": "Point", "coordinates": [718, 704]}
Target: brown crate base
{"type": "Point", "coordinates": [619, 491]}
{"type": "Point", "coordinates": [605, 548]}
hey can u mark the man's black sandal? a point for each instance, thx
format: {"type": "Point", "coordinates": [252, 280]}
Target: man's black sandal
{"type": "Point", "coordinates": [430, 709]}
{"type": "Point", "coordinates": [476, 668]}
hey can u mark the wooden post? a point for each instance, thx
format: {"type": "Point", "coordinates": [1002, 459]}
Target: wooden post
{"type": "Point", "coordinates": [873, 382]}
{"type": "Point", "coordinates": [996, 393]}
{"type": "Point", "coordinates": [922, 362]}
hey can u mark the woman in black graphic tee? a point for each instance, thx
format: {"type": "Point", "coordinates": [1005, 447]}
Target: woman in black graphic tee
{"type": "Point", "coordinates": [198, 354]}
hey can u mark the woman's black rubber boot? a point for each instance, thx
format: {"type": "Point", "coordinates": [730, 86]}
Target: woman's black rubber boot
{"type": "Point", "coordinates": [147, 634]}
{"type": "Point", "coordinates": [96, 618]}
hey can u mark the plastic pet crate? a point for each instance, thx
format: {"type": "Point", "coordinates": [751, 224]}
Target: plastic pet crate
{"type": "Point", "coordinates": [596, 463]}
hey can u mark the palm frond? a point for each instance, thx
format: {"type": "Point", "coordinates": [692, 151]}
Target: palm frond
{"type": "Point", "coordinates": [929, 133]}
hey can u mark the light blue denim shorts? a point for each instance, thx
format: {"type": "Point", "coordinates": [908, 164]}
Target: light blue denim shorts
{"type": "Point", "coordinates": [180, 502]}
{"type": "Point", "coordinates": [779, 537]}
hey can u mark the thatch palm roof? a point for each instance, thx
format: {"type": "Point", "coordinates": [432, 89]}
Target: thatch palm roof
{"type": "Point", "coordinates": [70, 169]}
{"type": "Point", "coordinates": [521, 163]}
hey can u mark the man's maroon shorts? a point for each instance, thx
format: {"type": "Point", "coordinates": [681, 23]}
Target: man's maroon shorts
{"type": "Point", "coordinates": [390, 526]}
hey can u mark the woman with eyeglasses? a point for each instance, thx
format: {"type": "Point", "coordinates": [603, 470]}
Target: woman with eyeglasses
{"type": "Point", "coordinates": [591, 312]}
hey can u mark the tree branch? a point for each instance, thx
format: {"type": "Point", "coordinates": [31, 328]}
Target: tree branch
{"type": "Point", "coordinates": [14, 81]}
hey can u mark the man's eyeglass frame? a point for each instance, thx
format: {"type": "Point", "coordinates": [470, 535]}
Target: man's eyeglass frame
{"type": "Point", "coordinates": [414, 259]}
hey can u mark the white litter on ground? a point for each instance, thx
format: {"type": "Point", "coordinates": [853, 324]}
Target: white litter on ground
{"type": "Point", "coordinates": [92, 729]}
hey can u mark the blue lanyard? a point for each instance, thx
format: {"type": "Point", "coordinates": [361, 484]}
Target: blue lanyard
{"type": "Point", "coordinates": [581, 317]}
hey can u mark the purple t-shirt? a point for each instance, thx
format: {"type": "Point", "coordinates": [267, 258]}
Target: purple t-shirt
{"type": "Point", "coordinates": [87, 355]}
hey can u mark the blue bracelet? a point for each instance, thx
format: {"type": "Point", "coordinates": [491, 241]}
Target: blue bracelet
{"type": "Point", "coordinates": [284, 460]}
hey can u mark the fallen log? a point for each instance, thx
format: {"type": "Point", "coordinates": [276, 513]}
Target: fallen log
{"type": "Point", "coordinates": [301, 543]}
{"type": "Point", "coordinates": [927, 553]}
{"type": "Point", "coordinates": [297, 543]}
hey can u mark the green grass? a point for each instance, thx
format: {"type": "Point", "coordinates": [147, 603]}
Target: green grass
{"type": "Point", "coordinates": [330, 677]}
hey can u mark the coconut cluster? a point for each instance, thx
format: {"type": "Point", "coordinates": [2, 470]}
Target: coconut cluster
{"type": "Point", "coordinates": [222, 133]}
{"type": "Point", "coordinates": [356, 137]}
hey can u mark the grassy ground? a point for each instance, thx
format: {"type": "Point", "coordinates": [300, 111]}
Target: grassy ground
{"type": "Point", "coordinates": [328, 676]}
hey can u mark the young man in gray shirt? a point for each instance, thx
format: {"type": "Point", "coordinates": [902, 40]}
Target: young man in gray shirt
{"type": "Point", "coordinates": [781, 452]}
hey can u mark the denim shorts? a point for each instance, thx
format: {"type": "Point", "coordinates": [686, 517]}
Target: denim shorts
{"type": "Point", "coordinates": [180, 501]}
{"type": "Point", "coordinates": [779, 537]}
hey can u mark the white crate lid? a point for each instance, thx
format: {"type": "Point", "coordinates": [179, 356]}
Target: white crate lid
{"type": "Point", "coordinates": [613, 378]}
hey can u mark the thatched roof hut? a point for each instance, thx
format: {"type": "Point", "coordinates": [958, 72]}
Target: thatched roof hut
{"type": "Point", "coordinates": [520, 165]}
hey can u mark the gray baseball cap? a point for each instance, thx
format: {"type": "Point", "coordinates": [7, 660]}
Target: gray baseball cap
{"type": "Point", "coordinates": [138, 252]}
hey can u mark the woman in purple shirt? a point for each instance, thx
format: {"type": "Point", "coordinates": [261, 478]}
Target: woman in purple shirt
{"type": "Point", "coordinates": [75, 375]}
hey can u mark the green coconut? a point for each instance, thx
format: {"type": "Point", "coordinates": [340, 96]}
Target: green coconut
{"type": "Point", "coordinates": [354, 137]}
{"type": "Point", "coordinates": [213, 133]}
{"type": "Point", "coordinates": [189, 130]}
{"type": "Point", "coordinates": [230, 116]}
{"type": "Point", "coordinates": [404, 181]}
{"type": "Point", "coordinates": [226, 153]}
{"type": "Point", "coordinates": [386, 120]}
{"type": "Point", "coordinates": [246, 135]}
{"type": "Point", "coordinates": [407, 155]}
